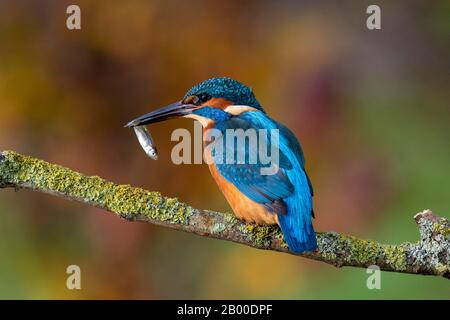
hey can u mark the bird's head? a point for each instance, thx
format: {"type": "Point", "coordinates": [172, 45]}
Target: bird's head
{"type": "Point", "coordinates": [212, 100]}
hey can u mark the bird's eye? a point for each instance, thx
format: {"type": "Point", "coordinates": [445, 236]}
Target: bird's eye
{"type": "Point", "coordinates": [204, 97]}
{"type": "Point", "coordinates": [197, 99]}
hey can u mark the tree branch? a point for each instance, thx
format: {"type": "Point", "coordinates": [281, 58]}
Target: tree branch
{"type": "Point", "coordinates": [429, 256]}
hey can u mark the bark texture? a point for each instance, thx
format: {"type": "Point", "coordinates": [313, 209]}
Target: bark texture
{"type": "Point", "coordinates": [430, 255]}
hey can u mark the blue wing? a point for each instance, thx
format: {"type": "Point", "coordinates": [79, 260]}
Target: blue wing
{"type": "Point", "coordinates": [268, 190]}
{"type": "Point", "coordinates": [297, 149]}
{"type": "Point", "coordinates": [287, 193]}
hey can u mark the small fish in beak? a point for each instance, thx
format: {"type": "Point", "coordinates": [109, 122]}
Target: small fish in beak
{"type": "Point", "coordinates": [146, 141]}
{"type": "Point", "coordinates": [174, 110]}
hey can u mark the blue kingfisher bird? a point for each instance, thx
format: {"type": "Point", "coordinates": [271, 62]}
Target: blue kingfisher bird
{"type": "Point", "coordinates": [283, 198]}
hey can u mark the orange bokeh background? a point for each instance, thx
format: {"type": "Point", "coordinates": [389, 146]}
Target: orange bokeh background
{"type": "Point", "coordinates": [370, 108]}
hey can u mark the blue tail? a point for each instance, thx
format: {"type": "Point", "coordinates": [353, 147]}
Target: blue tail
{"type": "Point", "coordinates": [299, 239]}
{"type": "Point", "coordinates": [296, 224]}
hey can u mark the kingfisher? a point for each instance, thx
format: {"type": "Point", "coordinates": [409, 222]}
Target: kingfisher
{"type": "Point", "coordinates": [283, 197]}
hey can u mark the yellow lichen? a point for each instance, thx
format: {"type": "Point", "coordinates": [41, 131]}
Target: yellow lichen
{"type": "Point", "coordinates": [124, 200]}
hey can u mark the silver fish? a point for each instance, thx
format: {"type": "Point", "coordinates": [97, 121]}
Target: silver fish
{"type": "Point", "coordinates": [146, 141]}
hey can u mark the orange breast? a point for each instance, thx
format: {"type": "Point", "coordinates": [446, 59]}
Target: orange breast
{"type": "Point", "coordinates": [242, 206]}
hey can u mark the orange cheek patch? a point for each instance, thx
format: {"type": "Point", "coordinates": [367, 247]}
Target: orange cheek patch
{"type": "Point", "coordinates": [220, 103]}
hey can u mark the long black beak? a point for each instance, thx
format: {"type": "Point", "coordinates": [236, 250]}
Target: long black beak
{"type": "Point", "coordinates": [174, 110]}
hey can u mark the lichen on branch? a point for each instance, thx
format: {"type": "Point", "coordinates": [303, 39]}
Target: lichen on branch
{"type": "Point", "coordinates": [429, 256]}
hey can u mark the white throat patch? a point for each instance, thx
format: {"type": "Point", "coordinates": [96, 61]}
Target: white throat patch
{"type": "Point", "coordinates": [236, 110]}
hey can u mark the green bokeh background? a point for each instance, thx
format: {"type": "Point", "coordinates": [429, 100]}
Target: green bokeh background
{"type": "Point", "coordinates": [371, 109]}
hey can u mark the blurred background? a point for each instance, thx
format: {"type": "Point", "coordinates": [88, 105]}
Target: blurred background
{"type": "Point", "coordinates": [369, 107]}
